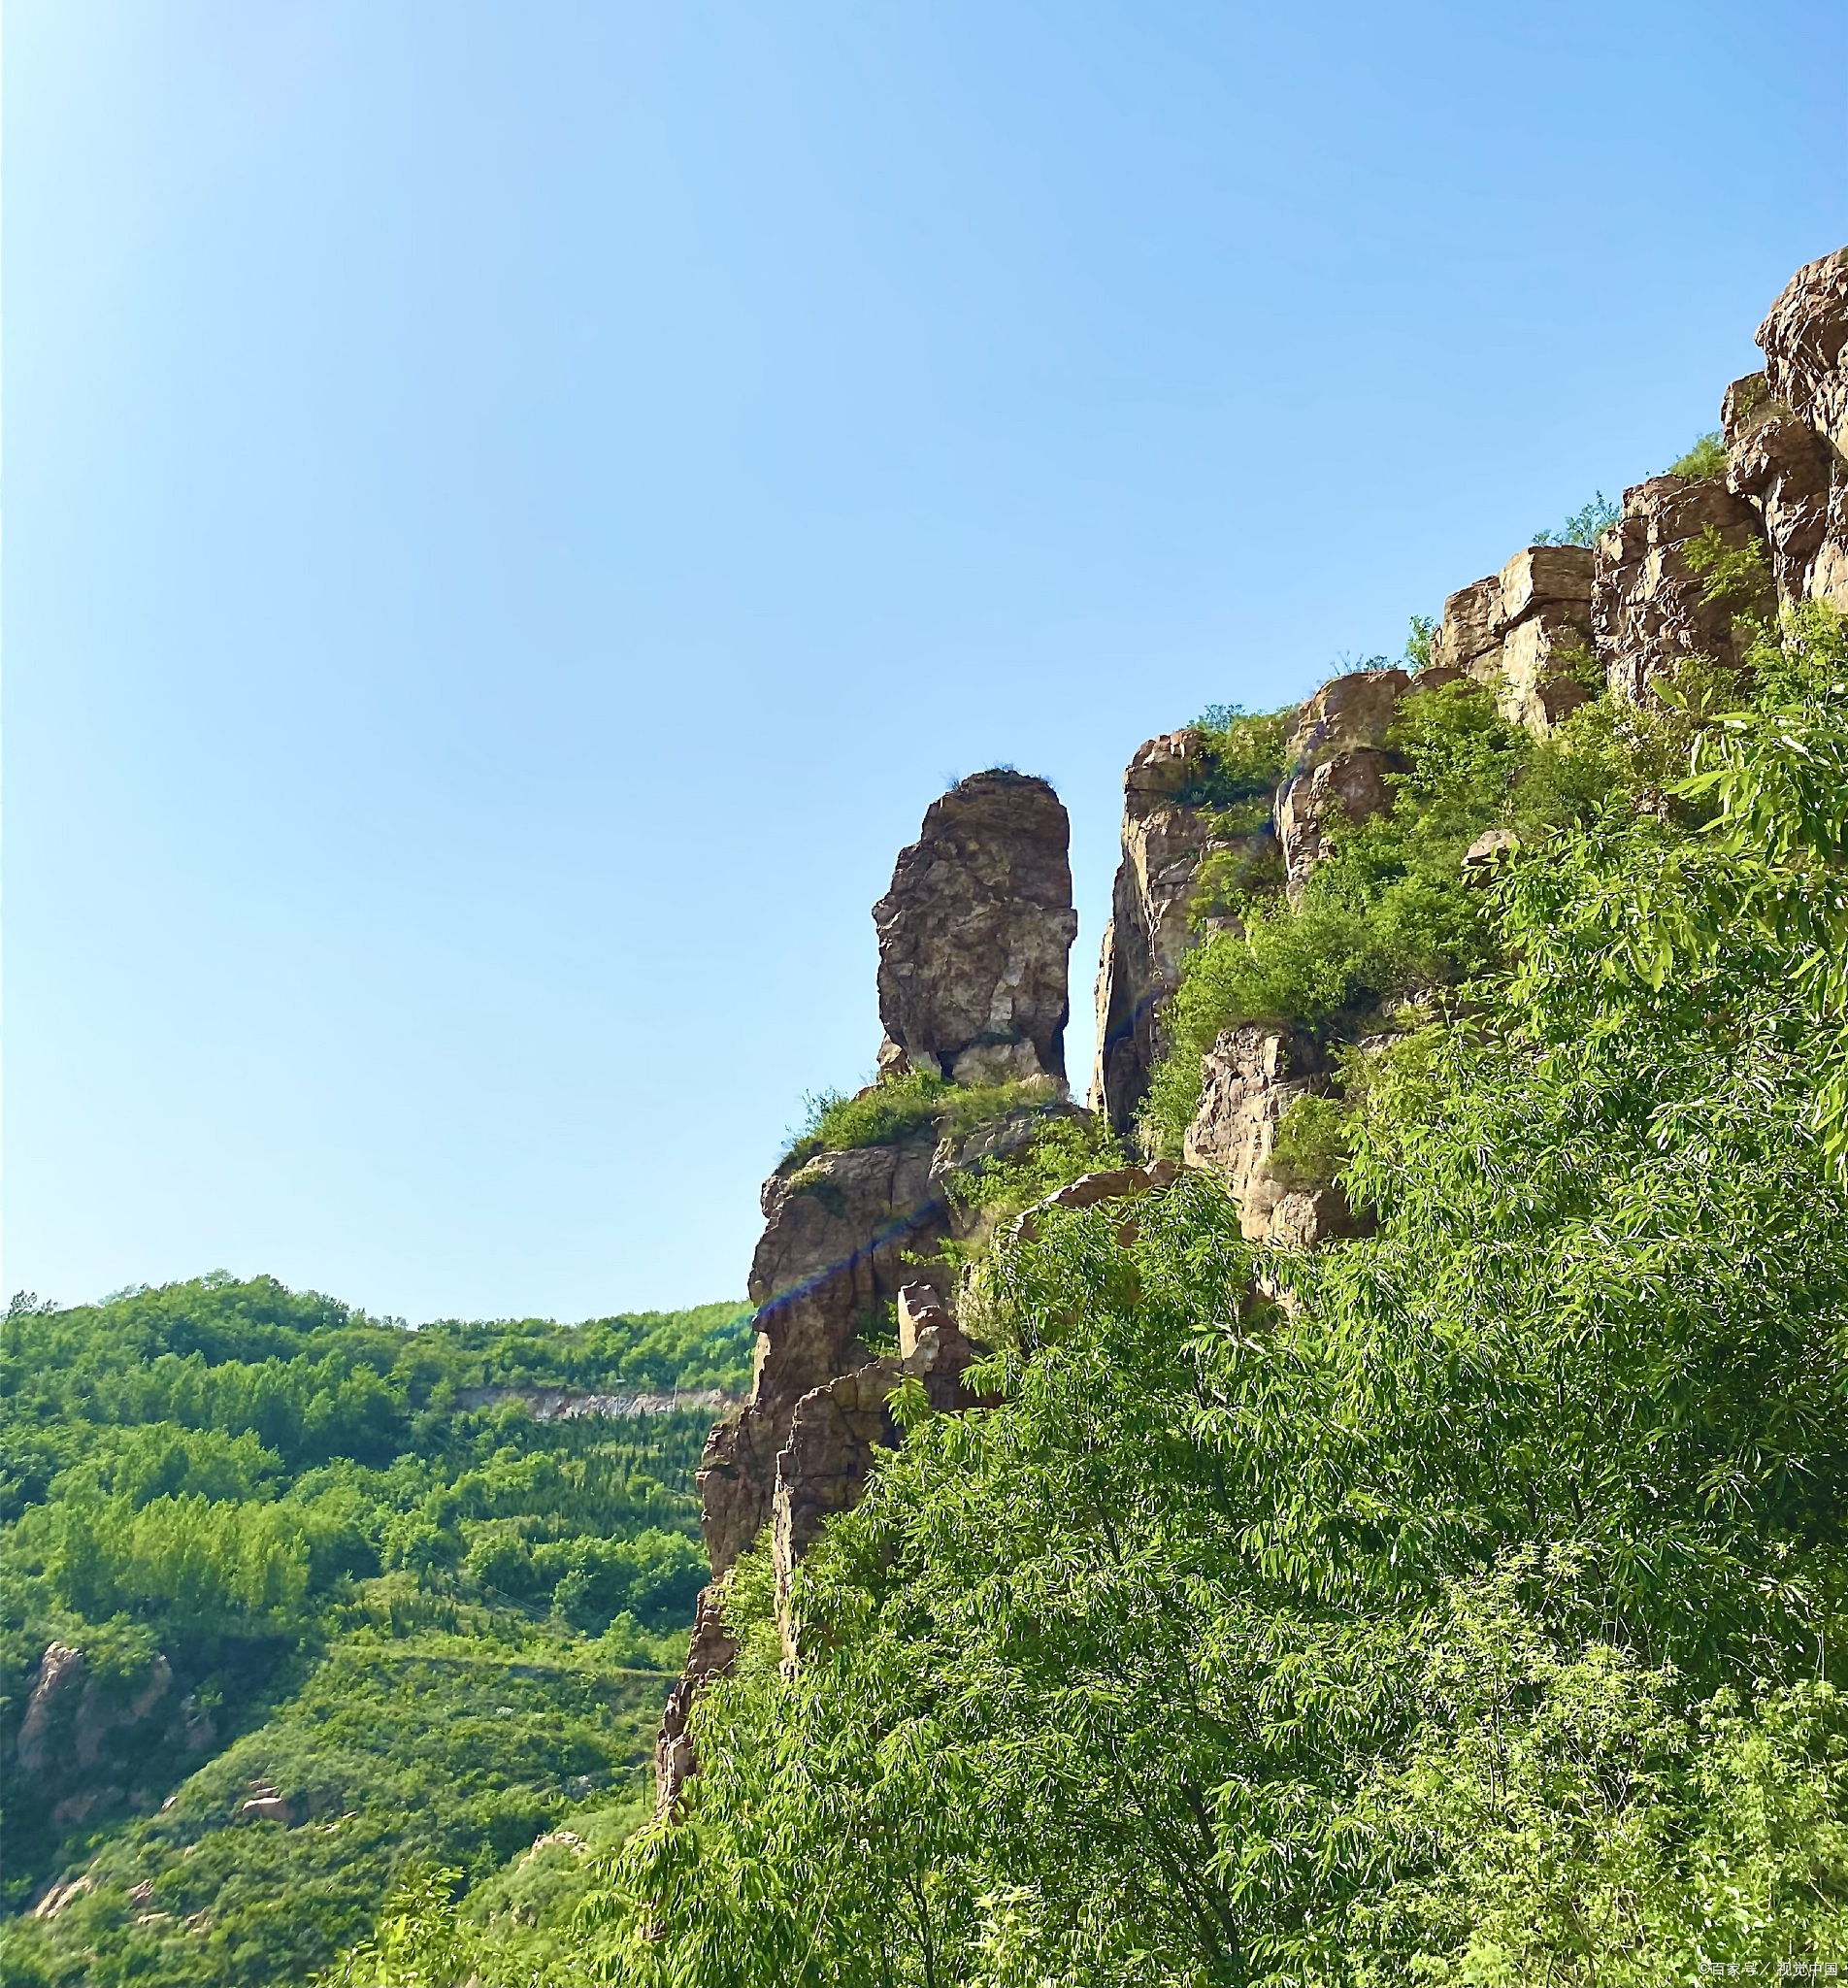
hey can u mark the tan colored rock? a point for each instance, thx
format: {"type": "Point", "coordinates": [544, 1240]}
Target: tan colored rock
{"type": "Point", "coordinates": [1149, 932]}
{"type": "Point", "coordinates": [1786, 469]}
{"type": "Point", "coordinates": [1471, 629]}
{"type": "Point", "coordinates": [267, 1808]}
{"type": "Point", "coordinates": [1541, 577]}
{"type": "Point", "coordinates": [1525, 633]}
{"type": "Point", "coordinates": [1089, 1190]}
{"type": "Point", "coordinates": [711, 1653]}
{"type": "Point", "coordinates": [1349, 713]}
{"type": "Point", "coordinates": [1251, 1077]}
{"type": "Point", "coordinates": [1349, 788]}
{"type": "Point", "coordinates": [1648, 612]}
{"type": "Point", "coordinates": [975, 934]}
{"type": "Point", "coordinates": [1490, 849]}
{"type": "Point", "coordinates": [1544, 659]}
{"type": "Point", "coordinates": [1805, 340]}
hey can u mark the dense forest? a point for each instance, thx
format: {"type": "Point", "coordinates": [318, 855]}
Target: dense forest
{"type": "Point", "coordinates": [1459, 1601]}
{"type": "Point", "coordinates": [314, 1603]}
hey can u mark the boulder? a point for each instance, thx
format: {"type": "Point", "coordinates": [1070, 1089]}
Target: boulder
{"type": "Point", "coordinates": [1350, 713]}
{"type": "Point", "coordinates": [1649, 611]}
{"type": "Point", "coordinates": [1250, 1076]}
{"type": "Point", "coordinates": [975, 932]}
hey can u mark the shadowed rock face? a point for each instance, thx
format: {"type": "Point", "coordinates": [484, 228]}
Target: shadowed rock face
{"type": "Point", "coordinates": [975, 934]}
{"type": "Point", "coordinates": [1164, 843]}
{"type": "Point", "coordinates": [1805, 340]}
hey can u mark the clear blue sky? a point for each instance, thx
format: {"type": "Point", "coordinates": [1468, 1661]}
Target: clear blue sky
{"type": "Point", "coordinates": [513, 511]}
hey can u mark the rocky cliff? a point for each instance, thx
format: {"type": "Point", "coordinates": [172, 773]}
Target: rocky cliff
{"type": "Point", "coordinates": [975, 932]}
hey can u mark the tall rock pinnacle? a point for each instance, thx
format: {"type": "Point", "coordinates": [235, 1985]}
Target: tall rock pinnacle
{"type": "Point", "coordinates": [975, 934]}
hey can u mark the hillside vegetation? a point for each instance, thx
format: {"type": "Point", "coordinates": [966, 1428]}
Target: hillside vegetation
{"type": "Point", "coordinates": [1462, 1602]}
{"type": "Point", "coordinates": [332, 1623]}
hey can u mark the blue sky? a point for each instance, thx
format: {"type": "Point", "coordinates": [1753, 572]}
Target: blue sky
{"type": "Point", "coordinates": [513, 512]}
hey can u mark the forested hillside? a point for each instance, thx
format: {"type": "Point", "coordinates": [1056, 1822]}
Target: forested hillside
{"type": "Point", "coordinates": [295, 1598]}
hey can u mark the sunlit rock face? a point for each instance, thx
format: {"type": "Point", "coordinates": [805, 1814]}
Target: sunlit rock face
{"type": "Point", "coordinates": [975, 935]}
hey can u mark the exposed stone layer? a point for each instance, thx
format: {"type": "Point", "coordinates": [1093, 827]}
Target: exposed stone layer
{"type": "Point", "coordinates": [1805, 340]}
{"type": "Point", "coordinates": [975, 934]}
{"type": "Point", "coordinates": [1251, 1077]}
{"type": "Point", "coordinates": [1524, 632]}
{"type": "Point", "coordinates": [1784, 467]}
{"type": "Point", "coordinates": [1650, 610]}
{"type": "Point", "coordinates": [1164, 843]}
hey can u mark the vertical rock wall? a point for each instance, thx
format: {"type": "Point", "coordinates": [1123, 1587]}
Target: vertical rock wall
{"type": "Point", "coordinates": [974, 937]}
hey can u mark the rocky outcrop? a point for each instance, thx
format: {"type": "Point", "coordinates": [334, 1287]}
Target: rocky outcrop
{"type": "Point", "coordinates": [1149, 932]}
{"type": "Point", "coordinates": [1340, 766]}
{"type": "Point", "coordinates": [1250, 1078]}
{"type": "Point", "coordinates": [1784, 468]}
{"type": "Point", "coordinates": [1805, 340]}
{"type": "Point", "coordinates": [974, 937]}
{"type": "Point", "coordinates": [711, 1653]}
{"type": "Point", "coordinates": [975, 934]}
{"type": "Point", "coordinates": [90, 1743]}
{"type": "Point", "coordinates": [1524, 632]}
{"type": "Point", "coordinates": [1651, 609]}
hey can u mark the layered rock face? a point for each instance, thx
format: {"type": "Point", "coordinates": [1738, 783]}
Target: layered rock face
{"type": "Point", "coordinates": [975, 934]}
{"type": "Point", "coordinates": [1164, 843]}
{"type": "Point", "coordinates": [1339, 765]}
{"type": "Point", "coordinates": [1251, 1077]}
{"type": "Point", "coordinates": [1783, 467]}
{"type": "Point", "coordinates": [1650, 605]}
{"type": "Point", "coordinates": [1526, 632]}
{"type": "Point", "coordinates": [1805, 340]}
{"type": "Point", "coordinates": [974, 937]}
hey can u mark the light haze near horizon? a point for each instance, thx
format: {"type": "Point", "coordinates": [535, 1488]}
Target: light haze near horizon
{"type": "Point", "coordinates": [514, 512]}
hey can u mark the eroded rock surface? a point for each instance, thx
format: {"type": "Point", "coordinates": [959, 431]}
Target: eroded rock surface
{"type": "Point", "coordinates": [711, 1653]}
{"type": "Point", "coordinates": [1524, 632]}
{"type": "Point", "coordinates": [1805, 340]}
{"type": "Point", "coordinates": [1650, 610]}
{"type": "Point", "coordinates": [975, 934]}
{"type": "Point", "coordinates": [1784, 467]}
{"type": "Point", "coordinates": [1251, 1077]}
{"type": "Point", "coordinates": [1165, 840]}
{"type": "Point", "coordinates": [836, 1232]}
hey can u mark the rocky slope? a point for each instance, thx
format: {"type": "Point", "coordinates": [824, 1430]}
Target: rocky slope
{"type": "Point", "coordinates": [975, 930]}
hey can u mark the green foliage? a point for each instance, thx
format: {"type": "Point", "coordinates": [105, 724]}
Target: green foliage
{"type": "Point", "coordinates": [1059, 1152]}
{"type": "Point", "coordinates": [1738, 578]}
{"type": "Point", "coordinates": [1387, 914]}
{"type": "Point", "coordinates": [1470, 1611]}
{"type": "Point", "coordinates": [1704, 460]}
{"type": "Point", "coordinates": [1311, 1145]}
{"type": "Point", "coordinates": [900, 1106]}
{"type": "Point", "coordinates": [1418, 642]}
{"type": "Point", "coordinates": [438, 1630]}
{"type": "Point", "coordinates": [1585, 526]}
{"type": "Point", "coordinates": [1241, 756]}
